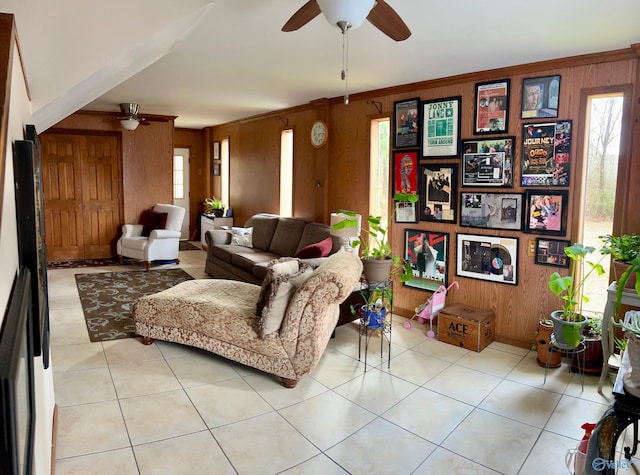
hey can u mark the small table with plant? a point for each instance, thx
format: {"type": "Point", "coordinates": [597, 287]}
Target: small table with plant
{"type": "Point", "coordinates": [376, 317]}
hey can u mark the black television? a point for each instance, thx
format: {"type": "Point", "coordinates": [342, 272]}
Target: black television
{"type": "Point", "coordinates": [17, 405]}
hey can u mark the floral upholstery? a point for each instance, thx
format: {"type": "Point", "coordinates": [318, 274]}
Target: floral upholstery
{"type": "Point", "coordinates": [220, 316]}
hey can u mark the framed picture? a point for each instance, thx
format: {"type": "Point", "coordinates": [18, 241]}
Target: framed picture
{"type": "Point", "coordinates": [216, 168]}
{"type": "Point", "coordinates": [492, 258]}
{"type": "Point", "coordinates": [438, 190]}
{"type": "Point", "coordinates": [406, 120]}
{"type": "Point", "coordinates": [550, 252]}
{"type": "Point", "coordinates": [426, 252]}
{"type": "Point", "coordinates": [491, 210]}
{"type": "Point", "coordinates": [406, 212]}
{"type": "Point", "coordinates": [405, 172]}
{"type": "Point", "coordinates": [216, 151]}
{"type": "Point", "coordinates": [546, 212]}
{"type": "Point", "coordinates": [492, 107]}
{"type": "Point", "coordinates": [540, 97]}
{"type": "Point", "coordinates": [488, 162]}
{"type": "Point", "coordinates": [546, 154]}
{"type": "Point", "coordinates": [441, 127]}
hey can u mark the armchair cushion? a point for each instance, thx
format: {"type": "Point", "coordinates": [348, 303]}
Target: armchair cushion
{"type": "Point", "coordinates": [153, 220]}
{"type": "Point", "coordinates": [318, 249]}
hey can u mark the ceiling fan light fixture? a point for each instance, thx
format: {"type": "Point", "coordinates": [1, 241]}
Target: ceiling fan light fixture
{"type": "Point", "coordinates": [353, 12]}
{"type": "Point", "coordinates": [129, 123]}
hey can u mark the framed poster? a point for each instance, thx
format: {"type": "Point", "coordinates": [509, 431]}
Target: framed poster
{"type": "Point", "coordinates": [405, 172]}
{"type": "Point", "coordinates": [406, 212]}
{"type": "Point", "coordinates": [216, 168]}
{"type": "Point", "coordinates": [540, 97]}
{"type": "Point", "coordinates": [491, 210]}
{"type": "Point", "coordinates": [406, 120]}
{"type": "Point", "coordinates": [438, 190]}
{"type": "Point", "coordinates": [441, 127]}
{"type": "Point", "coordinates": [550, 252]}
{"type": "Point", "coordinates": [546, 154]}
{"type": "Point", "coordinates": [547, 212]}
{"type": "Point", "coordinates": [488, 162]}
{"type": "Point", "coordinates": [492, 258]}
{"type": "Point", "coordinates": [492, 107]}
{"type": "Point", "coordinates": [215, 150]}
{"type": "Point", "coordinates": [426, 252]}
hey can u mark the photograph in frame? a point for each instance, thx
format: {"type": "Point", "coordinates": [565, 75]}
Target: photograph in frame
{"type": "Point", "coordinates": [488, 162]}
{"type": "Point", "coordinates": [441, 127]}
{"type": "Point", "coordinates": [406, 123]}
{"type": "Point", "coordinates": [216, 169]}
{"type": "Point", "coordinates": [540, 97]}
{"type": "Point", "coordinates": [216, 150]}
{"type": "Point", "coordinates": [426, 252]}
{"type": "Point", "coordinates": [546, 212]}
{"type": "Point", "coordinates": [438, 192]}
{"type": "Point", "coordinates": [405, 172]}
{"type": "Point", "coordinates": [406, 212]}
{"type": "Point", "coordinates": [491, 111]}
{"type": "Point", "coordinates": [492, 258]}
{"type": "Point", "coordinates": [491, 210]}
{"type": "Point", "coordinates": [550, 252]}
{"type": "Point", "coordinates": [546, 154]}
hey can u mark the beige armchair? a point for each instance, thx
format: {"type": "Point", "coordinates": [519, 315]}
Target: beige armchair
{"type": "Point", "coordinates": [157, 238]}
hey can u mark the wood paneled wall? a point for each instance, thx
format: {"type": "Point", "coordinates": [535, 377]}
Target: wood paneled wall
{"type": "Point", "coordinates": [341, 171]}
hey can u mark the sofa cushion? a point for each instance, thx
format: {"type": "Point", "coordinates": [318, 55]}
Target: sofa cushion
{"type": "Point", "coordinates": [318, 249]}
{"type": "Point", "coordinates": [247, 258]}
{"type": "Point", "coordinates": [264, 225]}
{"type": "Point", "coordinates": [226, 252]}
{"type": "Point", "coordinates": [316, 232]}
{"type": "Point", "coordinates": [287, 236]}
{"type": "Point", "coordinates": [277, 297]}
{"type": "Point", "coordinates": [242, 236]}
{"type": "Point", "coordinates": [153, 220]}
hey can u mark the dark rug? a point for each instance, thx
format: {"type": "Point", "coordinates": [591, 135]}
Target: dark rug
{"type": "Point", "coordinates": [82, 263]}
{"type": "Point", "coordinates": [187, 246]}
{"type": "Point", "coordinates": [107, 298]}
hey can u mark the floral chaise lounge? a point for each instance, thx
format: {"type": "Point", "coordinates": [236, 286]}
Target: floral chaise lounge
{"type": "Point", "coordinates": [281, 328]}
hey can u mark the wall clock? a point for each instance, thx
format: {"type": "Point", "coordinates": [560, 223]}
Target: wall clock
{"type": "Point", "coordinates": [319, 134]}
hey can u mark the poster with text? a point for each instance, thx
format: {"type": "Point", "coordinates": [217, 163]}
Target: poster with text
{"type": "Point", "coordinates": [546, 154]}
{"type": "Point", "coordinates": [441, 127]}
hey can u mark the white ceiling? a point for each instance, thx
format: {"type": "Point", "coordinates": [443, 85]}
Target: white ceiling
{"type": "Point", "coordinates": [210, 62]}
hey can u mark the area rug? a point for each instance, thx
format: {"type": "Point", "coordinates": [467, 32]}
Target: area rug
{"type": "Point", "coordinates": [187, 246]}
{"type": "Point", "coordinates": [82, 263]}
{"type": "Point", "coordinates": [107, 298]}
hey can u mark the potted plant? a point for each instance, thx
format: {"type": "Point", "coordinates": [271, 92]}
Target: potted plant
{"type": "Point", "coordinates": [631, 326]}
{"type": "Point", "coordinates": [214, 206]}
{"type": "Point", "coordinates": [568, 322]}
{"type": "Point", "coordinates": [543, 337]}
{"type": "Point", "coordinates": [593, 357]}
{"type": "Point", "coordinates": [373, 312]}
{"type": "Point", "coordinates": [625, 253]}
{"type": "Point", "coordinates": [377, 257]}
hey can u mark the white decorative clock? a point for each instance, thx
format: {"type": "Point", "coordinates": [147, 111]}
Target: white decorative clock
{"type": "Point", "coordinates": [319, 133]}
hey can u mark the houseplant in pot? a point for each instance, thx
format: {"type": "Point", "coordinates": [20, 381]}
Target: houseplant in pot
{"type": "Point", "coordinates": [625, 254]}
{"type": "Point", "coordinates": [214, 206]}
{"type": "Point", "coordinates": [593, 357]}
{"type": "Point", "coordinates": [568, 322]}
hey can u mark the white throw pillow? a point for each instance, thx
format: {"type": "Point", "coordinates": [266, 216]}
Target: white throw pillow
{"type": "Point", "coordinates": [242, 236]}
{"type": "Point", "coordinates": [275, 269]}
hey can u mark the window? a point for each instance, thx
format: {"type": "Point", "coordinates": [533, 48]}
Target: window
{"type": "Point", "coordinates": [286, 173]}
{"type": "Point", "coordinates": [178, 177]}
{"type": "Point", "coordinates": [224, 171]}
{"type": "Point", "coordinates": [379, 166]}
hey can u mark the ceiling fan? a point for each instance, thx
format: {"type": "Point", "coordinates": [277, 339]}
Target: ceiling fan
{"type": "Point", "coordinates": [130, 119]}
{"type": "Point", "coordinates": [347, 14]}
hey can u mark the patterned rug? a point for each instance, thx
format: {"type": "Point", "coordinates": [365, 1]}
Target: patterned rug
{"type": "Point", "coordinates": [107, 298]}
{"type": "Point", "coordinates": [82, 263]}
{"type": "Point", "coordinates": [187, 246]}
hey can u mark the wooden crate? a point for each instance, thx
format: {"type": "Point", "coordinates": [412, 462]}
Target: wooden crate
{"type": "Point", "coordinates": [467, 327]}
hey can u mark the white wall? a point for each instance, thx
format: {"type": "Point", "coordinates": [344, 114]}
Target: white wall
{"type": "Point", "coordinates": [19, 116]}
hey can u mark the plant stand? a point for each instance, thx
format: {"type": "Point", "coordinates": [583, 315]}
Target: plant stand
{"type": "Point", "coordinates": [578, 351]}
{"type": "Point", "coordinates": [383, 332]}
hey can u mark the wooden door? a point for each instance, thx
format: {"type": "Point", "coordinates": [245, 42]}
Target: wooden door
{"type": "Point", "coordinates": [81, 195]}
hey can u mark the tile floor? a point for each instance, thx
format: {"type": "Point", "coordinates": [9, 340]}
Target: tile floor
{"type": "Point", "coordinates": [126, 408]}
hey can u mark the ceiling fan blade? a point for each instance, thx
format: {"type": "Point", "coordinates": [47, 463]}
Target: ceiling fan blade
{"type": "Point", "coordinates": [307, 12]}
{"type": "Point", "coordinates": [385, 19]}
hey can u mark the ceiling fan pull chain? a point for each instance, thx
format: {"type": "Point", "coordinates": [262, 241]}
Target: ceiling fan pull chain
{"type": "Point", "coordinates": [345, 63]}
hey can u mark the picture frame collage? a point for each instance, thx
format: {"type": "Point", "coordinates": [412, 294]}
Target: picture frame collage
{"type": "Point", "coordinates": [471, 182]}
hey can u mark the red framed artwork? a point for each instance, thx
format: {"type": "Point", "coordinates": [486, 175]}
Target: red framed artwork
{"type": "Point", "coordinates": [405, 172]}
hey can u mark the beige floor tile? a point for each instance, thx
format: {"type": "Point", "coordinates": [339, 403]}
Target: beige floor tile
{"type": "Point", "coordinates": [265, 444]}
{"type": "Point", "coordinates": [448, 383]}
{"type": "Point", "coordinates": [71, 334]}
{"type": "Point", "coordinates": [63, 285]}
{"type": "Point", "coordinates": [129, 350]}
{"type": "Point", "coordinates": [510, 443]}
{"type": "Point", "coordinates": [226, 402]}
{"type": "Point", "coordinates": [415, 367]}
{"type": "Point", "coordinates": [64, 301]}
{"type": "Point", "coordinates": [548, 454]}
{"type": "Point", "coordinates": [444, 461]}
{"type": "Point", "coordinates": [516, 350]}
{"type": "Point", "coordinates": [190, 454]}
{"type": "Point", "coordinates": [171, 350]}
{"type": "Point", "coordinates": [571, 413]}
{"type": "Point", "coordinates": [409, 338]}
{"type": "Point", "coordinates": [430, 415]}
{"type": "Point", "coordinates": [440, 350]}
{"type": "Point", "coordinates": [160, 416]}
{"type": "Point", "coordinates": [277, 398]}
{"type": "Point", "coordinates": [146, 377]}
{"type": "Point", "coordinates": [590, 391]}
{"type": "Point", "coordinates": [200, 368]}
{"type": "Point", "coordinates": [529, 372]}
{"type": "Point", "coordinates": [522, 403]}
{"type": "Point", "coordinates": [80, 356]}
{"type": "Point", "coordinates": [327, 419]}
{"type": "Point", "coordinates": [90, 428]}
{"type": "Point", "coordinates": [335, 368]}
{"type": "Point", "coordinates": [318, 465]}
{"type": "Point", "coordinates": [494, 362]}
{"type": "Point", "coordinates": [381, 448]}
{"type": "Point", "coordinates": [66, 316]}
{"type": "Point", "coordinates": [119, 461]}
{"type": "Point", "coordinates": [83, 386]}
{"type": "Point", "coordinates": [376, 390]}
